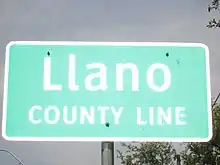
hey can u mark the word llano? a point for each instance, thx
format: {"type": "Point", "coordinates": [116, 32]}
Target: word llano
{"type": "Point", "coordinates": [101, 75]}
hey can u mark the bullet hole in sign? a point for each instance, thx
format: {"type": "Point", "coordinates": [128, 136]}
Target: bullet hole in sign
{"type": "Point", "coordinates": [167, 54]}
{"type": "Point", "coordinates": [107, 124]}
{"type": "Point", "coordinates": [48, 53]}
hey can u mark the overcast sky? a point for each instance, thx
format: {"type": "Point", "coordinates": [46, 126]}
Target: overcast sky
{"type": "Point", "coordinates": [99, 20]}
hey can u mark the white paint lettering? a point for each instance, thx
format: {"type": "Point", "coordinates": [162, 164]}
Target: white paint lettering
{"type": "Point", "coordinates": [103, 110]}
{"type": "Point", "coordinates": [139, 117]}
{"type": "Point", "coordinates": [150, 77]}
{"type": "Point", "coordinates": [180, 114]}
{"type": "Point", "coordinates": [31, 114]}
{"type": "Point", "coordinates": [50, 110]}
{"type": "Point", "coordinates": [101, 75]}
{"type": "Point", "coordinates": [120, 68]}
{"type": "Point", "coordinates": [90, 116]}
{"type": "Point", "coordinates": [48, 86]}
{"type": "Point", "coordinates": [163, 116]}
{"type": "Point", "coordinates": [72, 73]}
{"type": "Point", "coordinates": [72, 115]}
{"type": "Point", "coordinates": [117, 114]}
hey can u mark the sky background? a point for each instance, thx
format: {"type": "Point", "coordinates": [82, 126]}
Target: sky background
{"type": "Point", "coordinates": [99, 20]}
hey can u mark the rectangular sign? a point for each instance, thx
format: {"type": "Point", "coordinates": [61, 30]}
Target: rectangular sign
{"type": "Point", "coordinates": [107, 91]}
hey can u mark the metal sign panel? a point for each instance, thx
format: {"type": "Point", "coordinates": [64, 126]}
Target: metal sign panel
{"type": "Point", "coordinates": [107, 91]}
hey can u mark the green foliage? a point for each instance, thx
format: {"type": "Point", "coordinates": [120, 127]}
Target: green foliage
{"type": "Point", "coordinates": [201, 153]}
{"type": "Point", "coordinates": [216, 125]}
{"type": "Point", "coordinates": [137, 153]}
{"type": "Point", "coordinates": [205, 153]}
{"type": "Point", "coordinates": [214, 6]}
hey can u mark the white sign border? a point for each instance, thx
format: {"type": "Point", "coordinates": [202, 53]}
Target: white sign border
{"type": "Point", "coordinates": [116, 139]}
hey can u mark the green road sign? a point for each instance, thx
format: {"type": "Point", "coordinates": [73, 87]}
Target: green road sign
{"type": "Point", "coordinates": [107, 91]}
